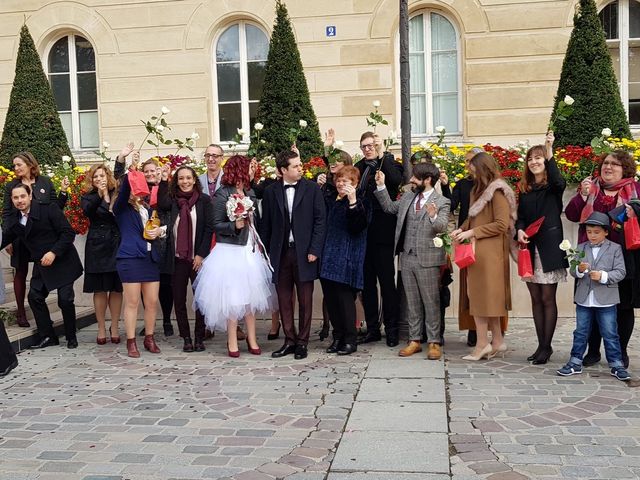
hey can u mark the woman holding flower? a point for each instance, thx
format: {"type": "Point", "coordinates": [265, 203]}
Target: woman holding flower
{"type": "Point", "coordinates": [610, 191]}
{"type": "Point", "coordinates": [234, 281]}
{"type": "Point", "coordinates": [541, 190]}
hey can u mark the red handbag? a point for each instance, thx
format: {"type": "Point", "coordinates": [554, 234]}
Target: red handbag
{"type": "Point", "coordinates": [525, 266]}
{"type": "Point", "coordinates": [138, 183]}
{"type": "Point", "coordinates": [465, 255]}
{"type": "Point", "coordinates": [632, 234]}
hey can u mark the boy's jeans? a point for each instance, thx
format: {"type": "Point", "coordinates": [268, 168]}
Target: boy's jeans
{"type": "Point", "coordinates": [606, 318]}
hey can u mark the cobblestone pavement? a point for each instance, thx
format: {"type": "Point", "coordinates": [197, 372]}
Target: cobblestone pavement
{"type": "Point", "coordinates": [512, 420]}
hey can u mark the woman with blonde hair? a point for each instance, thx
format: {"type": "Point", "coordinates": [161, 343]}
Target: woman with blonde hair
{"type": "Point", "coordinates": [485, 289]}
{"type": "Point", "coordinates": [100, 272]}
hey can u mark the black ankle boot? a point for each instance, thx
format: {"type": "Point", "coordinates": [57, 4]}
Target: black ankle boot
{"type": "Point", "coordinates": [188, 345]}
{"type": "Point", "coordinates": [168, 328]}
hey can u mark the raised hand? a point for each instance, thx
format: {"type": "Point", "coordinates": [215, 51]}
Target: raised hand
{"type": "Point", "coordinates": [379, 178]}
{"type": "Point", "coordinates": [329, 137]}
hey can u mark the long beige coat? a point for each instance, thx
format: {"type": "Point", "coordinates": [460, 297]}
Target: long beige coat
{"type": "Point", "coordinates": [485, 287]}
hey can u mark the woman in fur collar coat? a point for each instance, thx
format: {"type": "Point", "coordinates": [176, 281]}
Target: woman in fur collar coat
{"type": "Point", "coordinates": [485, 289]}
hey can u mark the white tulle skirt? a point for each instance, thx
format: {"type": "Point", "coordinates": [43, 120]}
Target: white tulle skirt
{"type": "Point", "coordinates": [234, 281]}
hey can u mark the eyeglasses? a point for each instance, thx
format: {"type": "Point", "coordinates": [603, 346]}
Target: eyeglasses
{"type": "Point", "coordinates": [611, 164]}
{"type": "Point", "coordinates": [367, 146]}
{"type": "Point", "coordinates": [207, 156]}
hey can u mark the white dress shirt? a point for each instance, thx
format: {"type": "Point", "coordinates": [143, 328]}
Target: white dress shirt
{"type": "Point", "coordinates": [24, 218]}
{"type": "Point", "coordinates": [290, 193]}
{"type": "Point", "coordinates": [604, 276]}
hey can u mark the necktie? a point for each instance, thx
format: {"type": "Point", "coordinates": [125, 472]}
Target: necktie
{"type": "Point", "coordinates": [420, 197]}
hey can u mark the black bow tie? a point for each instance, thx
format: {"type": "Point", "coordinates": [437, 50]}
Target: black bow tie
{"type": "Point", "coordinates": [291, 185]}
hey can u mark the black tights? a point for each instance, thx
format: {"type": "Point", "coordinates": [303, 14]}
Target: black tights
{"type": "Point", "coordinates": [545, 313]}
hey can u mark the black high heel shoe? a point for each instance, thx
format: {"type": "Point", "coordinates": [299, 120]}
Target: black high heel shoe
{"type": "Point", "coordinates": [534, 355]}
{"type": "Point", "coordinates": [543, 357]}
{"type": "Point", "coordinates": [274, 336]}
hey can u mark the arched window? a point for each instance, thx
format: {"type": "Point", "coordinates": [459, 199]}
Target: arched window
{"type": "Point", "coordinates": [241, 56]}
{"type": "Point", "coordinates": [621, 22]}
{"type": "Point", "coordinates": [435, 74]}
{"type": "Point", "coordinates": [71, 67]}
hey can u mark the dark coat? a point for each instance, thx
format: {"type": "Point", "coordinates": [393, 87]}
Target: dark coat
{"type": "Point", "coordinates": [309, 219]}
{"type": "Point", "coordinates": [203, 227]}
{"type": "Point", "coordinates": [47, 230]}
{"type": "Point", "coordinates": [103, 237]}
{"type": "Point", "coordinates": [346, 242]}
{"type": "Point", "coordinates": [225, 229]}
{"type": "Point", "coordinates": [383, 225]}
{"type": "Point", "coordinates": [460, 197]}
{"type": "Point", "coordinates": [545, 201]}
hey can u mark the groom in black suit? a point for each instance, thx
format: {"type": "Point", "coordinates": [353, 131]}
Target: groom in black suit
{"type": "Point", "coordinates": [293, 227]}
{"type": "Point", "coordinates": [48, 236]}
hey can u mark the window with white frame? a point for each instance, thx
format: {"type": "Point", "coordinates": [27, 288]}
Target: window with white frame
{"type": "Point", "coordinates": [621, 22]}
{"type": "Point", "coordinates": [71, 67]}
{"type": "Point", "coordinates": [435, 74]}
{"type": "Point", "coordinates": [240, 60]}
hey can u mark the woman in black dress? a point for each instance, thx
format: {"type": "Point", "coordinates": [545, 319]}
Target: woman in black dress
{"type": "Point", "coordinates": [100, 273]}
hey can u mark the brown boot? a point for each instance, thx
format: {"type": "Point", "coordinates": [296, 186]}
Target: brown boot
{"type": "Point", "coordinates": [150, 344]}
{"type": "Point", "coordinates": [413, 347]}
{"type": "Point", "coordinates": [434, 352]}
{"type": "Point", "coordinates": [132, 348]}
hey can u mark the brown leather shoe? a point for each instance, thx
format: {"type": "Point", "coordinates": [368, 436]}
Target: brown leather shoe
{"type": "Point", "coordinates": [132, 348]}
{"type": "Point", "coordinates": [413, 347]}
{"type": "Point", "coordinates": [434, 352]}
{"type": "Point", "coordinates": [150, 344]}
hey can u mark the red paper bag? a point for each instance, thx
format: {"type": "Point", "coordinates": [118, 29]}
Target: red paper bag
{"type": "Point", "coordinates": [153, 200]}
{"type": "Point", "coordinates": [138, 183]}
{"type": "Point", "coordinates": [632, 234]}
{"type": "Point", "coordinates": [465, 255]}
{"type": "Point", "coordinates": [525, 266]}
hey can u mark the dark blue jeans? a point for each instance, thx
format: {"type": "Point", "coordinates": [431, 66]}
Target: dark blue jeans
{"type": "Point", "coordinates": [606, 319]}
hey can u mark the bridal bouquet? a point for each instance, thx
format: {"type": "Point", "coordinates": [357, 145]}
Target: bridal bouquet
{"type": "Point", "coordinates": [239, 206]}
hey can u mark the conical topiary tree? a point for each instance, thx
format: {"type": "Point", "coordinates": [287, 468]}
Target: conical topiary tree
{"type": "Point", "coordinates": [285, 94]}
{"type": "Point", "coordinates": [588, 76]}
{"type": "Point", "coordinates": [32, 121]}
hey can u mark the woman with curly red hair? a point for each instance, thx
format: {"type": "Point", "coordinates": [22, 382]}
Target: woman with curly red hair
{"type": "Point", "coordinates": [234, 282]}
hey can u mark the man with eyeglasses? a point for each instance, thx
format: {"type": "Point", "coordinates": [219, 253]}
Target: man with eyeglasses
{"type": "Point", "coordinates": [379, 266]}
{"type": "Point", "coordinates": [210, 180]}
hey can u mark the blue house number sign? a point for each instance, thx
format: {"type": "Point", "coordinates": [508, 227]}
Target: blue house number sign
{"type": "Point", "coordinates": [331, 30]}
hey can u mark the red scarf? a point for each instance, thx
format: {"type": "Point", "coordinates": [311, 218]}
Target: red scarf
{"type": "Point", "coordinates": [625, 188]}
{"type": "Point", "coordinates": [184, 237]}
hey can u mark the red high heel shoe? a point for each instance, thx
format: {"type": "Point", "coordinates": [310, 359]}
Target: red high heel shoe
{"type": "Point", "coordinates": [115, 339]}
{"type": "Point", "coordinates": [101, 341]}
{"type": "Point", "coordinates": [253, 351]}
{"type": "Point", "coordinates": [132, 348]}
{"type": "Point", "coordinates": [150, 344]}
{"type": "Point", "coordinates": [235, 354]}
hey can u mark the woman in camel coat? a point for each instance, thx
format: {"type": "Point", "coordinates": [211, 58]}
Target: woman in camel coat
{"type": "Point", "coordinates": [485, 289]}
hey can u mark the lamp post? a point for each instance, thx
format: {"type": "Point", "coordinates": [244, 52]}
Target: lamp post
{"type": "Point", "coordinates": [405, 93]}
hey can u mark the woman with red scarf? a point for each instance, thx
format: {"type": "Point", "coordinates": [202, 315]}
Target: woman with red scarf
{"type": "Point", "coordinates": [189, 233]}
{"type": "Point", "coordinates": [609, 192]}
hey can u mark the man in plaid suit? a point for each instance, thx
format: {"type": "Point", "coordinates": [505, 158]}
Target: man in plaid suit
{"type": "Point", "coordinates": [422, 214]}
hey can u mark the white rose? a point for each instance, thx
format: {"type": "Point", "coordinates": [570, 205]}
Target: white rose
{"type": "Point", "coordinates": [565, 245]}
{"type": "Point", "coordinates": [376, 103]}
{"type": "Point", "coordinates": [258, 126]}
{"type": "Point", "coordinates": [568, 100]}
{"type": "Point", "coordinates": [424, 144]}
{"type": "Point", "coordinates": [440, 129]}
{"type": "Point", "coordinates": [303, 123]}
{"type": "Point", "coordinates": [339, 144]}
{"type": "Point", "coordinates": [195, 136]}
{"type": "Point", "coordinates": [242, 132]}
{"type": "Point", "coordinates": [606, 132]}
{"type": "Point", "coordinates": [66, 158]}
{"type": "Point", "coordinates": [159, 128]}
{"type": "Point", "coordinates": [105, 145]}
{"type": "Point", "coordinates": [165, 110]}
{"type": "Point", "coordinates": [437, 241]}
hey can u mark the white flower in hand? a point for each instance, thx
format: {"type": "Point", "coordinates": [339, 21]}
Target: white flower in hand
{"type": "Point", "coordinates": [440, 129]}
{"type": "Point", "coordinates": [159, 128]}
{"type": "Point", "coordinates": [437, 242]}
{"type": "Point", "coordinates": [258, 126]}
{"type": "Point", "coordinates": [565, 245]}
{"type": "Point", "coordinates": [242, 132]}
{"type": "Point", "coordinates": [568, 100]}
{"type": "Point", "coordinates": [303, 123]}
{"type": "Point", "coordinates": [376, 103]}
{"type": "Point", "coordinates": [165, 110]}
{"type": "Point", "coordinates": [105, 145]}
{"type": "Point", "coordinates": [606, 132]}
{"type": "Point", "coordinates": [195, 136]}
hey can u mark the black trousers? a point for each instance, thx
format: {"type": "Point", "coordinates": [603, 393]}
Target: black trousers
{"type": "Point", "coordinates": [7, 355]}
{"type": "Point", "coordinates": [379, 267]}
{"type": "Point", "coordinates": [166, 296]}
{"type": "Point", "coordinates": [37, 297]}
{"type": "Point", "coordinates": [340, 299]}
{"type": "Point", "coordinates": [183, 272]}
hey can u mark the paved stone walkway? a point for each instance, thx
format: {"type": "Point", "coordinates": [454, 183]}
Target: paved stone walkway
{"type": "Point", "coordinates": [94, 414]}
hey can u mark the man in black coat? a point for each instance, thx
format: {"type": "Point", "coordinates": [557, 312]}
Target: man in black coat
{"type": "Point", "coordinates": [46, 233]}
{"type": "Point", "coordinates": [293, 228]}
{"type": "Point", "coordinates": [379, 263]}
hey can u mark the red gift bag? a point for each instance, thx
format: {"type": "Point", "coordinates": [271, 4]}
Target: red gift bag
{"type": "Point", "coordinates": [153, 200]}
{"type": "Point", "coordinates": [525, 266]}
{"type": "Point", "coordinates": [632, 234]}
{"type": "Point", "coordinates": [138, 183]}
{"type": "Point", "coordinates": [465, 255]}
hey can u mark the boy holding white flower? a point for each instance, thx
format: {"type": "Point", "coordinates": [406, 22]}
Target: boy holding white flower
{"type": "Point", "coordinates": [598, 266]}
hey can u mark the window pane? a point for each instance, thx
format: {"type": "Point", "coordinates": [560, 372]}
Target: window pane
{"type": "Point", "coordinates": [257, 44]}
{"type": "Point", "coordinates": [85, 58]}
{"type": "Point", "coordinates": [609, 19]}
{"type": "Point", "coordinates": [228, 48]}
{"type": "Point", "coordinates": [61, 91]}
{"type": "Point", "coordinates": [228, 82]}
{"type": "Point", "coordinates": [59, 56]}
{"type": "Point", "coordinates": [417, 73]}
{"type": "Point", "coordinates": [65, 119]}
{"type": "Point", "coordinates": [87, 95]}
{"type": "Point", "coordinates": [634, 19]}
{"type": "Point", "coordinates": [416, 34]}
{"type": "Point", "coordinates": [230, 120]}
{"type": "Point", "coordinates": [253, 113]}
{"type": "Point", "coordinates": [443, 35]}
{"type": "Point", "coordinates": [444, 70]}
{"type": "Point", "coordinates": [634, 85]}
{"type": "Point", "coordinates": [614, 51]}
{"type": "Point", "coordinates": [418, 114]}
{"type": "Point", "coordinates": [445, 112]}
{"type": "Point", "coordinates": [88, 129]}
{"type": "Point", "coordinates": [256, 79]}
